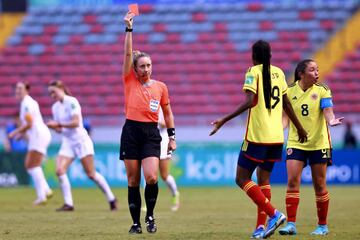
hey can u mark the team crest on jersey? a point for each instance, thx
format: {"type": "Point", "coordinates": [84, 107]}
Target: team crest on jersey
{"type": "Point", "coordinates": [314, 96]}
{"type": "Point", "coordinates": [249, 80]}
{"type": "Point", "coordinates": [289, 151]}
{"type": "Point", "coordinates": [73, 106]}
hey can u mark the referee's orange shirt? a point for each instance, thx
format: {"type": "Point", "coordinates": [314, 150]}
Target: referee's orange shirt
{"type": "Point", "coordinates": [142, 101]}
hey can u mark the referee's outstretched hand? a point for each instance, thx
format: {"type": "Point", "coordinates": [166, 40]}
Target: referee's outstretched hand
{"type": "Point", "coordinates": [128, 19]}
{"type": "Point", "coordinates": [217, 125]}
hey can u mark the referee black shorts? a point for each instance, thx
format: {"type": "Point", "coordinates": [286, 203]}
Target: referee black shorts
{"type": "Point", "coordinates": [139, 140]}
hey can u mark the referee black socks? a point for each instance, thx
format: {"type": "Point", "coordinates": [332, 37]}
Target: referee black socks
{"type": "Point", "coordinates": [151, 193]}
{"type": "Point", "coordinates": [134, 201]}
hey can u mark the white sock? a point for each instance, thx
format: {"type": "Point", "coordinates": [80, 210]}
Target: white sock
{"type": "Point", "coordinates": [66, 189]}
{"type": "Point", "coordinates": [35, 174]}
{"type": "Point", "coordinates": [44, 182]}
{"type": "Point", "coordinates": [104, 186]}
{"type": "Point", "coordinates": [170, 182]}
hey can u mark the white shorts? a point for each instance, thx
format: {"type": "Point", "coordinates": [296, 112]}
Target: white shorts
{"type": "Point", "coordinates": [78, 149]}
{"type": "Point", "coordinates": [164, 154]}
{"type": "Point", "coordinates": [40, 142]}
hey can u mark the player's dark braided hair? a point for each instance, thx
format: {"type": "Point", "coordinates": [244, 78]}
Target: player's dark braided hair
{"type": "Point", "coordinates": [300, 68]}
{"type": "Point", "coordinates": [261, 53]}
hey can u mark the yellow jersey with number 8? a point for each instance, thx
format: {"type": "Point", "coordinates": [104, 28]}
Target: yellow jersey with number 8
{"type": "Point", "coordinates": [306, 105]}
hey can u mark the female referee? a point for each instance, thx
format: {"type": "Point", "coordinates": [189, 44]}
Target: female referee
{"type": "Point", "coordinates": [75, 143]}
{"type": "Point", "coordinates": [313, 106]}
{"type": "Point", "coordinates": [265, 88]}
{"type": "Point", "coordinates": [39, 138]}
{"type": "Point", "coordinates": [140, 137]}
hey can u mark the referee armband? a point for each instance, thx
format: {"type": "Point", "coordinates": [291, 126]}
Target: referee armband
{"type": "Point", "coordinates": [326, 103]}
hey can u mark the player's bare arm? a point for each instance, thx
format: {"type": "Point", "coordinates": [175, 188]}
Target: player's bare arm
{"type": "Point", "coordinates": [243, 107]}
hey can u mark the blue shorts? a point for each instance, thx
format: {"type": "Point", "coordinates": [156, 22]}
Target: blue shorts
{"type": "Point", "coordinates": [263, 156]}
{"type": "Point", "coordinates": [311, 157]}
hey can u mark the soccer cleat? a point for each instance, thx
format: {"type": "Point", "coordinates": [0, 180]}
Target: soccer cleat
{"type": "Point", "coordinates": [273, 223]}
{"type": "Point", "coordinates": [258, 233]}
{"type": "Point", "coordinates": [65, 208]}
{"type": "Point", "coordinates": [49, 194]}
{"type": "Point", "coordinates": [175, 202]}
{"type": "Point", "coordinates": [135, 229]}
{"type": "Point", "coordinates": [150, 224]}
{"type": "Point", "coordinates": [289, 229]}
{"type": "Point", "coordinates": [113, 205]}
{"type": "Point", "coordinates": [39, 202]}
{"type": "Point", "coordinates": [321, 230]}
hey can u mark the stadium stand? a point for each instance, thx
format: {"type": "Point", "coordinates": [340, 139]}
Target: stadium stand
{"type": "Point", "coordinates": [200, 51]}
{"type": "Point", "coordinates": [345, 83]}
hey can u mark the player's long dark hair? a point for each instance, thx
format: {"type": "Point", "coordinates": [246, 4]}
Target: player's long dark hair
{"type": "Point", "coordinates": [261, 54]}
{"type": "Point", "coordinates": [300, 68]}
{"type": "Point", "coordinates": [61, 85]}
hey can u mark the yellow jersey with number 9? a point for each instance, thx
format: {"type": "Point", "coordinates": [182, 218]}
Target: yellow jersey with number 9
{"type": "Point", "coordinates": [306, 105]}
{"type": "Point", "coordinates": [264, 126]}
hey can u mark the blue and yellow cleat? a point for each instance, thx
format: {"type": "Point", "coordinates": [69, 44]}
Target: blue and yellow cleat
{"type": "Point", "coordinates": [321, 230]}
{"type": "Point", "coordinates": [289, 229]}
{"type": "Point", "coordinates": [273, 223]}
{"type": "Point", "coordinates": [258, 233]}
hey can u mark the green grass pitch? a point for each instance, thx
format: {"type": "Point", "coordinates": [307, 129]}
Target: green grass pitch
{"type": "Point", "coordinates": [205, 213]}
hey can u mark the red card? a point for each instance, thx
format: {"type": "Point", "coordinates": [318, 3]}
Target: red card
{"type": "Point", "coordinates": [134, 8]}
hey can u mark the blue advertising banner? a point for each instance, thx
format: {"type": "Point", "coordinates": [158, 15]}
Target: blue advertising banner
{"type": "Point", "coordinates": [201, 165]}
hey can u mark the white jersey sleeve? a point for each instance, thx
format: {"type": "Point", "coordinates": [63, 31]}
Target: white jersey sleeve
{"type": "Point", "coordinates": [74, 107]}
{"type": "Point", "coordinates": [64, 112]}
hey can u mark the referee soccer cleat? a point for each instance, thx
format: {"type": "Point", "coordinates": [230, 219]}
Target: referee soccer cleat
{"type": "Point", "coordinates": [65, 208]}
{"type": "Point", "coordinates": [273, 223]}
{"type": "Point", "coordinates": [289, 229]}
{"type": "Point", "coordinates": [175, 202]}
{"type": "Point", "coordinates": [113, 205]}
{"type": "Point", "coordinates": [135, 229]}
{"type": "Point", "coordinates": [258, 233]}
{"type": "Point", "coordinates": [150, 224]}
{"type": "Point", "coordinates": [321, 230]}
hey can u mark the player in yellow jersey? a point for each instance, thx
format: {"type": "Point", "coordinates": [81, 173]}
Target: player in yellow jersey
{"type": "Point", "coordinates": [313, 106]}
{"type": "Point", "coordinates": [265, 88]}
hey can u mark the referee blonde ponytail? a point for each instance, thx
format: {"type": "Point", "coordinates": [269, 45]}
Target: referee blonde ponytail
{"type": "Point", "coordinates": [137, 54]}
